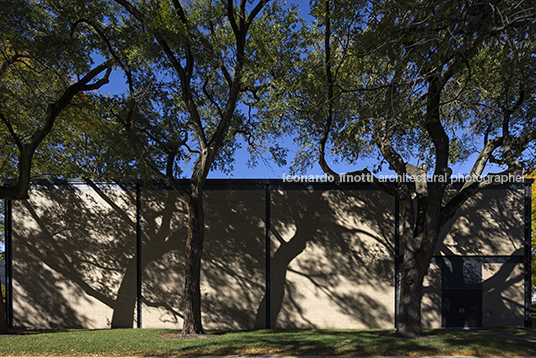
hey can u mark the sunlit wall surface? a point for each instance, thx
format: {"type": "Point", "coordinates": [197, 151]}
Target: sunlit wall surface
{"type": "Point", "coordinates": [275, 255]}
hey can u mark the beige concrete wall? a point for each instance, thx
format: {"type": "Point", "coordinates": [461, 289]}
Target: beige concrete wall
{"type": "Point", "coordinates": [431, 299]}
{"type": "Point", "coordinates": [502, 295]}
{"type": "Point", "coordinates": [233, 258]}
{"type": "Point", "coordinates": [74, 259]}
{"type": "Point", "coordinates": [163, 238]}
{"type": "Point", "coordinates": [332, 259]}
{"type": "Point", "coordinates": [489, 224]}
{"type": "Point", "coordinates": [72, 249]}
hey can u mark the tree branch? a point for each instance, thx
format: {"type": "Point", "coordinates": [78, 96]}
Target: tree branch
{"type": "Point", "coordinates": [329, 77]}
{"type": "Point", "coordinates": [9, 61]}
{"type": "Point", "coordinates": [231, 17]}
{"type": "Point", "coordinates": [19, 190]}
{"type": "Point", "coordinates": [11, 131]}
{"type": "Point", "coordinates": [434, 127]}
{"type": "Point", "coordinates": [254, 13]}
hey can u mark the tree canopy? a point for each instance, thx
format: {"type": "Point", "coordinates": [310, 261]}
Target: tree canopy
{"type": "Point", "coordinates": [44, 70]}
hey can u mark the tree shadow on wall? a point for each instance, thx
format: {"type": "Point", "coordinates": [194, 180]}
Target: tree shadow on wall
{"type": "Point", "coordinates": [489, 224]}
{"type": "Point", "coordinates": [78, 248]}
{"type": "Point", "coordinates": [357, 248]}
{"type": "Point", "coordinates": [232, 265]}
{"type": "Point", "coordinates": [234, 258]}
{"type": "Point", "coordinates": [503, 290]}
{"type": "Point", "coordinates": [163, 240]}
{"type": "Point", "coordinates": [332, 261]}
{"type": "Point", "coordinates": [73, 249]}
{"type": "Point", "coordinates": [331, 250]}
{"type": "Point", "coordinates": [75, 258]}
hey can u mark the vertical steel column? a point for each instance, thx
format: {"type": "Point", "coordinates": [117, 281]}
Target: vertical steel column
{"type": "Point", "coordinates": [397, 259]}
{"type": "Point", "coordinates": [528, 252]}
{"type": "Point", "coordinates": [139, 271]}
{"type": "Point", "coordinates": [9, 262]}
{"type": "Point", "coordinates": [267, 254]}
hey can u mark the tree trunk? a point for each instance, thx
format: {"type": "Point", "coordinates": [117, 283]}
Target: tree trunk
{"type": "Point", "coordinates": [419, 245]}
{"type": "Point", "coordinates": [194, 249]}
{"type": "Point", "coordinates": [411, 280]}
{"type": "Point", "coordinates": [3, 317]}
{"type": "Point", "coordinates": [125, 303]}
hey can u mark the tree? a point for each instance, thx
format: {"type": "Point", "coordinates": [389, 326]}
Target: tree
{"type": "Point", "coordinates": [44, 68]}
{"type": "Point", "coordinates": [532, 175]}
{"type": "Point", "coordinates": [452, 61]}
{"type": "Point", "coordinates": [188, 66]}
{"type": "Point", "coordinates": [37, 85]}
{"type": "Point", "coordinates": [417, 84]}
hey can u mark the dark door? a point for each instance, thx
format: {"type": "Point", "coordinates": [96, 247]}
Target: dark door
{"type": "Point", "coordinates": [461, 298]}
{"type": "Point", "coordinates": [461, 309]}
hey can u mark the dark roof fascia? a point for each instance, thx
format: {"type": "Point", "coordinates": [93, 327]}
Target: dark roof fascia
{"type": "Point", "coordinates": [210, 184]}
{"type": "Point", "coordinates": [236, 184]}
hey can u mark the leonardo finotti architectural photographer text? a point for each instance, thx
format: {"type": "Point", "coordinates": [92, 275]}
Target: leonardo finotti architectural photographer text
{"type": "Point", "coordinates": [368, 178]}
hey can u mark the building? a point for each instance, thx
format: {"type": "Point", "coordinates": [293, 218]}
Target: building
{"type": "Point", "coordinates": [277, 254]}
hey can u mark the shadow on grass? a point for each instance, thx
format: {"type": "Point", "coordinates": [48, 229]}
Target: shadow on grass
{"type": "Point", "coordinates": [144, 342]}
{"type": "Point", "coordinates": [356, 343]}
{"type": "Point", "coordinates": [290, 342]}
{"type": "Point", "coordinates": [27, 332]}
{"type": "Point", "coordinates": [480, 343]}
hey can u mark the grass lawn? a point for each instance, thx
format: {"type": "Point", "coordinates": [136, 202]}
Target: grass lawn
{"type": "Point", "coordinates": [157, 342]}
{"type": "Point", "coordinates": [520, 330]}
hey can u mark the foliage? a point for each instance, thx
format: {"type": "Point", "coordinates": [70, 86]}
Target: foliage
{"type": "Point", "coordinates": [83, 145]}
{"type": "Point", "coordinates": [169, 131]}
{"type": "Point", "coordinates": [45, 67]}
{"type": "Point", "coordinates": [187, 66]}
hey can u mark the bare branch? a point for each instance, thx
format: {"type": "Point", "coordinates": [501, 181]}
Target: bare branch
{"type": "Point", "coordinates": [231, 17]}
{"type": "Point", "coordinates": [180, 10]}
{"type": "Point", "coordinates": [11, 131]}
{"type": "Point", "coordinates": [100, 32]}
{"type": "Point", "coordinates": [435, 128]}
{"type": "Point", "coordinates": [211, 99]}
{"type": "Point", "coordinates": [254, 13]}
{"type": "Point", "coordinates": [383, 136]}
